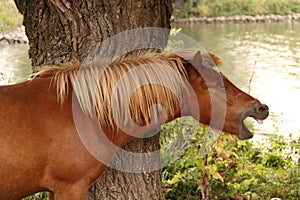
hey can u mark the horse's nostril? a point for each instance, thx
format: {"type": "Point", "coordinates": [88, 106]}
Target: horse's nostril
{"type": "Point", "coordinates": [262, 108]}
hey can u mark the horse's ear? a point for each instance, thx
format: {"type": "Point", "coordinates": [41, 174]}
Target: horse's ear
{"type": "Point", "coordinates": [197, 59]}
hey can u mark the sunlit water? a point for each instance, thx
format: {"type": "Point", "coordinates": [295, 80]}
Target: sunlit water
{"type": "Point", "coordinates": [15, 65]}
{"type": "Point", "coordinates": [262, 59]}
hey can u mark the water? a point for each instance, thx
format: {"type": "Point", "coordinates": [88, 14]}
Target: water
{"type": "Point", "coordinates": [261, 59]}
{"type": "Point", "coordinates": [15, 65]}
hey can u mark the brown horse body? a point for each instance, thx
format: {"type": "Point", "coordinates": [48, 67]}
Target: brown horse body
{"type": "Point", "coordinates": [42, 151]}
{"type": "Point", "coordinates": [39, 144]}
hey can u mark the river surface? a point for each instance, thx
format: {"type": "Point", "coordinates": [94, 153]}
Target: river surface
{"type": "Point", "coordinates": [261, 59]}
{"type": "Point", "coordinates": [15, 65]}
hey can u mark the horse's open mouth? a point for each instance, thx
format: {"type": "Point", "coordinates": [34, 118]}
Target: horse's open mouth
{"type": "Point", "coordinates": [245, 133]}
{"type": "Point", "coordinates": [259, 113]}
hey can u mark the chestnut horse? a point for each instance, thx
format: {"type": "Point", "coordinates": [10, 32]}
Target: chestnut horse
{"type": "Point", "coordinates": [40, 146]}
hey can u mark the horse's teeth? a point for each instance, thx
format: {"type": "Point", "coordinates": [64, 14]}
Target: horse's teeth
{"type": "Point", "coordinates": [259, 121]}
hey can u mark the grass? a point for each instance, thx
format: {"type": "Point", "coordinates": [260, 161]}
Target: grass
{"type": "Point", "coordinates": [10, 18]}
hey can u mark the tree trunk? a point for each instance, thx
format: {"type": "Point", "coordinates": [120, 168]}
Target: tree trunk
{"type": "Point", "coordinates": [61, 31]}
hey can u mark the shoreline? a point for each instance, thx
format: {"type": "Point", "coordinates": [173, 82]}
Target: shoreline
{"type": "Point", "coordinates": [239, 19]}
{"type": "Point", "coordinates": [19, 37]}
{"type": "Point", "coordinates": [16, 37]}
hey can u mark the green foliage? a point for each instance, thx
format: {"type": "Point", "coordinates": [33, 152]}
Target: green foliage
{"type": "Point", "coordinates": [9, 16]}
{"type": "Point", "coordinates": [213, 8]}
{"type": "Point", "coordinates": [187, 10]}
{"type": "Point", "coordinates": [235, 169]}
{"type": "Point", "coordinates": [38, 196]}
{"type": "Point", "coordinates": [174, 43]}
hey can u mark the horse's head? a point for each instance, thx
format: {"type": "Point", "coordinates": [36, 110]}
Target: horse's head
{"type": "Point", "coordinates": [221, 104]}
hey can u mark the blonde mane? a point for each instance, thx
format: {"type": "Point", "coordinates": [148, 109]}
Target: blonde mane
{"type": "Point", "coordinates": [127, 90]}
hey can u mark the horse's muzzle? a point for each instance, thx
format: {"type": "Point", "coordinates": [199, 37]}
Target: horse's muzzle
{"type": "Point", "coordinates": [261, 111]}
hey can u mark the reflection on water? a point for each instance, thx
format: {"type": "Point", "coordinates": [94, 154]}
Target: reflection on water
{"type": "Point", "coordinates": [15, 65]}
{"type": "Point", "coordinates": [264, 60]}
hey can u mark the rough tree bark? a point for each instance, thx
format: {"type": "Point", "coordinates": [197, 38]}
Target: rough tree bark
{"type": "Point", "coordinates": [61, 31]}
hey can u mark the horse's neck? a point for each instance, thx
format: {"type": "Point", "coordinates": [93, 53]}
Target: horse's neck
{"type": "Point", "coordinates": [125, 134]}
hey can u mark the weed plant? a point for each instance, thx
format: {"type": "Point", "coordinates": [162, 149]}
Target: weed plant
{"type": "Point", "coordinates": [233, 169]}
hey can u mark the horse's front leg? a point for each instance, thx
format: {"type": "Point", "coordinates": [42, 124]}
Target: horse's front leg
{"type": "Point", "coordinates": [50, 196]}
{"type": "Point", "coordinates": [77, 191]}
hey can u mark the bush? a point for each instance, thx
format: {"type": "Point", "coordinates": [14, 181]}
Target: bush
{"type": "Point", "coordinates": [232, 169]}
{"type": "Point", "coordinates": [213, 8]}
